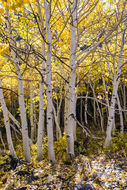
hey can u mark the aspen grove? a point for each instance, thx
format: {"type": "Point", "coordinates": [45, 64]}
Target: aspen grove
{"type": "Point", "coordinates": [63, 73]}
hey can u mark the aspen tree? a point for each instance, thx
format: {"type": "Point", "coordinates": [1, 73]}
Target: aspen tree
{"type": "Point", "coordinates": [41, 101]}
{"type": "Point", "coordinates": [116, 80]}
{"type": "Point", "coordinates": [32, 107]}
{"type": "Point", "coordinates": [20, 94]}
{"type": "Point", "coordinates": [47, 7]}
{"type": "Point", "coordinates": [72, 98]}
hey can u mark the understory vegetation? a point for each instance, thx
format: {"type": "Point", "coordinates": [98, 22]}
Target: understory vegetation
{"type": "Point", "coordinates": [86, 171]}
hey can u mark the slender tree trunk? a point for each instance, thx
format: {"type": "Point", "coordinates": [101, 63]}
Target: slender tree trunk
{"type": "Point", "coordinates": [14, 120]}
{"type": "Point", "coordinates": [57, 118]}
{"type": "Point", "coordinates": [94, 109]}
{"type": "Point", "coordinates": [58, 130]}
{"type": "Point", "coordinates": [47, 6]}
{"type": "Point", "coordinates": [41, 122]}
{"type": "Point", "coordinates": [105, 87]}
{"type": "Point", "coordinates": [7, 124]}
{"type": "Point", "coordinates": [72, 99]}
{"type": "Point", "coordinates": [59, 109]}
{"type": "Point", "coordinates": [115, 89]}
{"type": "Point", "coordinates": [41, 103]}
{"type": "Point", "coordinates": [2, 141]}
{"type": "Point", "coordinates": [86, 120]}
{"type": "Point", "coordinates": [23, 115]}
{"type": "Point", "coordinates": [66, 107]}
{"type": "Point", "coordinates": [20, 96]}
{"type": "Point", "coordinates": [124, 101]}
{"type": "Point", "coordinates": [81, 111]}
{"type": "Point", "coordinates": [121, 115]}
{"type": "Point", "coordinates": [18, 125]}
{"type": "Point", "coordinates": [32, 108]}
{"type": "Point", "coordinates": [110, 71]}
{"type": "Point", "coordinates": [100, 113]}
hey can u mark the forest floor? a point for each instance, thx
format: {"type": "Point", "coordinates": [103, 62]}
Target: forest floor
{"type": "Point", "coordinates": [83, 173]}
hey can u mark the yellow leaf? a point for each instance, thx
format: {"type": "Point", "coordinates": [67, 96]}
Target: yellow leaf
{"type": "Point", "coordinates": [95, 185]}
{"type": "Point", "coordinates": [1, 11]}
{"type": "Point", "coordinates": [101, 39]}
{"type": "Point", "coordinates": [123, 174]}
{"type": "Point", "coordinates": [1, 20]}
{"type": "Point", "coordinates": [55, 179]}
{"type": "Point", "coordinates": [27, 1]}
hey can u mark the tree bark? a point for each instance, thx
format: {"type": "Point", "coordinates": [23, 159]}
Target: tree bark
{"type": "Point", "coordinates": [66, 107]}
{"type": "Point", "coordinates": [115, 89]}
{"type": "Point", "coordinates": [121, 115]}
{"type": "Point", "coordinates": [41, 103]}
{"type": "Point", "coordinates": [49, 85]}
{"type": "Point", "coordinates": [86, 100]}
{"type": "Point", "coordinates": [7, 124]}
{"type": "Point", "coordinates": [32, 108]}
{"type": "Point", "coordinates": [23, 115]}
{"type": "Point", "coordinates": [58, 130]}
{"type": "Point", "coordinates": [72, 97]}
{"type": "Point", "coordinates": [20, 96]}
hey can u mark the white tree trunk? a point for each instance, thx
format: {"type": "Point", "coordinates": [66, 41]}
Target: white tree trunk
{"type": "Point", "coordinates": [41, 103]}
{"type": "Point", "coordinates": [110, 71]}
{"type": "Point", "coordinates": [86, 120]}
{"type": "Point", "coordinates": [124, 101]}
{"type": "Point", "coordinates": [7, 124]}
{"type": "Point", "coordinates": [14, 120]}
{"type": "Point", "coordinates": [72, 97]}
{"type": "Point", "coordinates": [49, 85]}
{"type": "Point", "coordinates": [23, 115]}
{"type": "Point", "coordinates": [121, 115]}
{"type": "Point", "coordinates": [21, 96]}
{"type": "Point", "coordinates": [58, 130]}
{"type": "Point", "coordinates": [41, 121]}
{"type": "Point", "coordinates": [115, 89]}
{"type": "Point", "coordinates": [59, 108]}
{"type": "Point", "coordinates": [32, 107]}
{"type": "Point", "coordinates": [100, 113]}
{"type": "Point", "coordinates": [66, 107]}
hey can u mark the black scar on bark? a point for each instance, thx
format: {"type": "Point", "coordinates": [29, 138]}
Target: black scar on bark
{"type": "Point", "coordinates": [84, 47]}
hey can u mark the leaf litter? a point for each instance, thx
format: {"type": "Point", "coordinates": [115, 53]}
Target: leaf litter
{"type": "Point", "coordinates": [94, 172]}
